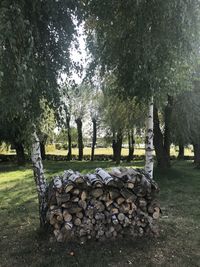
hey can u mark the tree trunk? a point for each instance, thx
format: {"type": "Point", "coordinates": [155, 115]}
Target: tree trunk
{"type": "Point", "coordinates": [69, 154]}
{"type": "Point", "coordinates": [42, 149]}
{"type": "Point", "coordinates": [117, 147]}
{"type": "Point", "coordinates": [163, 160]}
{"type": "Point", "coordinates": [40, 180]}
{"type": "Point", "coordinates": [20, 153]}
{"type": "Point", "coordinates": [80, 138]}
{"type": "Point", "coordinates": [131, 143]}
{"type": "Point", "coordinates": [114, 147]}
{"type": "Point", "coordinates": [196, 154]}
{"type": "Point", "coordinates": [94, 137]}
{"type": "Point", "coordinates": [181, 151]}
{"type": "Point", "coordinates": [167, 134]}
{"type": "Point", "coordinates": [149, 141]}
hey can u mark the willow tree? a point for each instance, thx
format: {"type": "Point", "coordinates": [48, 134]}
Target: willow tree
{"type": "Point", "coordinates": [35, 37]}
{"type": "Point", "coordinates": [186, 120]}
{"type": "Point", "coordinates": [142, 42]}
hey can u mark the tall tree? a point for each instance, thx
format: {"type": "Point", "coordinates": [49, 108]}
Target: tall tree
{"type": "Point", "coordinates": [185, 118]}
{"type": "Point", "coordinates": [35, 37]}
{"type": "Point", "coordinates": [79, 97]}
{"type": "Point", "coordinates": [142, 42]}
{"type": "Point", "coordinates": [93, 106]}
{"type": "Point", "coordinates": [149, 142]}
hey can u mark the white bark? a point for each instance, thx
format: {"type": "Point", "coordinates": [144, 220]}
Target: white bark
{"type": "Point", "coordinates": [39, 177]}
{"type": "Point", "coordinates": [149, 141]}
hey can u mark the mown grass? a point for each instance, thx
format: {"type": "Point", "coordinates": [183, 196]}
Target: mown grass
{"type": "Point", "coordinates": [22, 244]}
{"type": "Point", "coordinates": [50, 149]}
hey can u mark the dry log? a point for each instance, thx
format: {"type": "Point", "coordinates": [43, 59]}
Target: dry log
{"type": "Point", "coordinates": [102, 205]}
{"type": "Point", "coordinates": [105, 176]}
{"type": "Point", "coordinates": [94, 180]}
{"type": "Point", "coordinates": [114, 193]}
{"type": "Point", "coordinates": [156, 213]}
{"type": "Point", "coordinates": [77, 221]}
{"type": "Point", "coordinates": [67, 216]}
{"type": "Point", "coordinates": [76, 191]}
{"type": "Point", "coordinates": [69, 187]}
{"type": "Point", "coordinates": [97, 192]}
{"type": "Point", "coordinates": [74, 208]}
{"type": "Point", "coordinates": [68, 225]}
{"type": "Point", "coordinates": [62, 197]}
{"type": "Point", "coordinates": [120, 200]}
{"type": "Point", "coordinates": [83, 195]}
{"type": "Point", "coordinates": [79, 215]}
{"type": "Point", "coordinates": [82, 204]}
{"type": "Point", "coordinates": [121, 217]}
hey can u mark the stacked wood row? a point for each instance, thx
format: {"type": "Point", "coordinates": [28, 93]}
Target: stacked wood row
{"type": "Point", "coordinates": [103, 204]}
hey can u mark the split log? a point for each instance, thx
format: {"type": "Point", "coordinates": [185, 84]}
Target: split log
{"type": "Point", "coordinates": [102, 205]}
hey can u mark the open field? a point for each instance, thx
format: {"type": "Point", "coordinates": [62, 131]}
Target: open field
{"type": "Point", "coordinates": [109, 151]}
{"type": "Point", "coordinates": [22, 244]}
{"type": "Point", "coordinates": [102, 151]}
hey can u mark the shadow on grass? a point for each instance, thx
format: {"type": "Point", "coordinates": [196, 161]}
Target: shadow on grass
{"type": "Point", "coordinates": [22, 244]}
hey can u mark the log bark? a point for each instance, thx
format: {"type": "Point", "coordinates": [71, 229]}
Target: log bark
{"type": "Point", "coordinates": [94, 137]}
{"type": "Point", "coordinates": [69, 154]}
{"type": "Point", "coordinates": [20, 153]}
{"type": "Point", "coordinates": [163, 160]}
{"type": "Point", "coordinates": [80, 138]}
{"type": "Point", "coordinates": [149, 141]}
{"type": "Point", "coordinates": [106, 212]}
{"type": "Point", "coordinates": [39, 177]}
{"type": "Point", "coordinates": [131, 143]}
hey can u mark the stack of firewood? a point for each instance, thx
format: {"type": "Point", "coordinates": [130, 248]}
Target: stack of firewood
{"type": "Point", "coordinates": [102, 205]}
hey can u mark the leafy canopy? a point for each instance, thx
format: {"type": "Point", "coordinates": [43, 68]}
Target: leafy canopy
{"type": "Point", "coordinates": [35, 38]}
{"type": "Point", "coordinates": [142, 42]}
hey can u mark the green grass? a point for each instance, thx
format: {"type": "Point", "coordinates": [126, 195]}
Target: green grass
{"type": "Point", "coordinates": [50, 149]}
{"type": "Point", "coordinates": [22, 244]}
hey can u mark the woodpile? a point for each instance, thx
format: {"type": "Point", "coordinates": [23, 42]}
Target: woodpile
{"type": "Point", "coordinates": [102, 205]}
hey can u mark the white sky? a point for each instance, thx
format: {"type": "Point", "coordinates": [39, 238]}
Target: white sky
{"type": "Point", "coordinates": [78, 55]}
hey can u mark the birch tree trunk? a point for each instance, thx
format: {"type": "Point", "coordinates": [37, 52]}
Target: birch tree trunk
{"type": "Point", "coordinates": [39, 177]}
{"type": "Point", "coordinates": [149, 141]}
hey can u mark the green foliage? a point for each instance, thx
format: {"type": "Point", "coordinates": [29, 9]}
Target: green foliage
{"type": "Point", "coordinates": [185, 116]}
{"type": "Point", "coordinates": [13, 131]}
{"type": "Point", "coordinates": [142, 42]}
{"type": "Point", "coordinates": [62, 136]}
{"type": "Point", "coordinates": [119, 114]}
{"type": "Point", "coordinates": [35, 38]}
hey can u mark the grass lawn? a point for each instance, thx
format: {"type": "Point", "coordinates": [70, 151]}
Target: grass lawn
{"type": "Point", "coordinates": [22, 244]}
{"type": "Point", "coordinates": [50, 149]}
